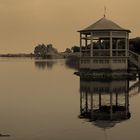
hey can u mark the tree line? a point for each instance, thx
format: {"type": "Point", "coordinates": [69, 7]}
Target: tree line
{"type": "Point", "coordinates": [134, 45]}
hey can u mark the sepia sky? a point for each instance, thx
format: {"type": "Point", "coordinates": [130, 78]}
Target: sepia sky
{"type": "Point", "coordinates": [26, 23]}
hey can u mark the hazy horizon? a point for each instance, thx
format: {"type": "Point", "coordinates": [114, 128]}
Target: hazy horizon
{"type": "Point", "coordinates": [27, 23]}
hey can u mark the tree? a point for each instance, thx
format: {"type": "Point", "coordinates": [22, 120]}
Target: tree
{"type": "Point", "coordinates": [40, 51]}
{"type": "Point", "coordinates": [68, 50]}
{"type": "Point", "coordinates": [51, 49]}
{"type": "Point", "coordinates": [75, 49]}
{"type": "Point", "coordinates": [135, 44]}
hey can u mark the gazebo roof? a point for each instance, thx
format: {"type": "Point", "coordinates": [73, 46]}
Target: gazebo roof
{"type": "Point", "coordinates": [104, 24]}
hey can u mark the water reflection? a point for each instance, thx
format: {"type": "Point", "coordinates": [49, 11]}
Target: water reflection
{"type": "Point", "coordinates": [72, 63]}
{"type": "Point", "coordinates": [43, 64]}
{"type": "Point", "coordinates": [106, 103]}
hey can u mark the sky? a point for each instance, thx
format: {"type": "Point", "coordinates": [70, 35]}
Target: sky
{"type": "Point", "coordinates": [27, 23]}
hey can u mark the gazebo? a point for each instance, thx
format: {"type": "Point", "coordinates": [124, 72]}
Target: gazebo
{"type": "Point", "coordinates": [104, 45]}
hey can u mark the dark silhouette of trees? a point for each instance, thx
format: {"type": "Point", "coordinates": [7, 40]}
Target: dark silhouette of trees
{"type": "Point", "coordinates": [51, 49]}
{"type": "Point", "coordinates": [68, 50]}
{"type": "Point", "coordinates": [43, 51]}
{"type": "Point", "coordinates": [75, 49]}
{"type": "Point", "coordinates": [40, 51]}
{"type": "Point", "coordinates": [134, 44]}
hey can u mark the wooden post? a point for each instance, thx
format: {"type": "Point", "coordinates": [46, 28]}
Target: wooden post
{"type": "Point", "coordinates": [128, 42]}
{"type": "Point", "coordinates": [126, 46]}
{"type": "Point", "coordinates": [86, 102]}
{"type": "Point", "coordinates": [81, 102]}
{"type": "Point", "coordinates": [110, 44]}
{"type": "Point", "coordinates": [80, 44]}
{"type": "Point", "coordinates": [92, 106]}
{"type": "Point", "coordinates": [91, 48]}
{"type": "Point", "coordinates": [116, 99]}
{"type": "Point", "coordinates": [100, 102]}
{"type": "Point", "coordinates": [87, 53]}
{"type": "Point", "coordinates": [127, 98]}
{"type": "Point", "coordinates": [126, 103]}
{"type": "Point", "coordinates": [110, 60]}
{"type": "Point", "coordinates": [111, 107]}
{"type": "Point", "coordinates": [86, 41]}
{"type": "Point", "coordinates": [117, 47]}
{"type": "Point", "coordinates": [127, 49]}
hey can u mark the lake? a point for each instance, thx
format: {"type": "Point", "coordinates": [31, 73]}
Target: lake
{"type": "Point", "coordinates": [44, 100]}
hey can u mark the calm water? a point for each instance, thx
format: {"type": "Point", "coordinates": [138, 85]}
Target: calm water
{"type": "Point", "coordinates": [41, 101]}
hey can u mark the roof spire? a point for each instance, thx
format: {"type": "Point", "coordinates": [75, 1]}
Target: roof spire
{"type": "Point", "coordinates": [105, 11]}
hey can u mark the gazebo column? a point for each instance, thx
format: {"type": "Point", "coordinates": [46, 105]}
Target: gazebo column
{"type": "Point", "coordinates": [91, 106]}
{"type": "Point", "coordinates": [126, 46]}
{"type": "Point", "coordinates": [81, 107]}
{"type": "Point", "coordinates": [117, 47]}
{"type": "Point", "coordinates": [91, 48]}
{"type": "Point", "coordinates": [80, 44]}
{"type": "Point", "coordinates": [127, 98]}
{"type": "Point", "coordinates": [86, 102]}
{"type": "Point", "coordinates": [111, 106]}
{"type": "Point", "coordinates": [128, 42]}
{"type": "Point", "coordinates": [86, 44]}
{"type": "Point", "coordinates": [126, 49]}
{"type": "Point", "coordinates": [126, 103]}
{"type": "Point", "coordinates": [86, 41]}
{"type": "Point", "coordinates": [116, 98]}
{"type": "Point", "coordinates": [100, 102]}
{"type": "Point", "coordinates": [110, 44]}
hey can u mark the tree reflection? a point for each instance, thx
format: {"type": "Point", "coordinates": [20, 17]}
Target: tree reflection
{"type": "Point", "coordinates": [72, 62]}
{"type": "Point", "coordinates": [43, 64]}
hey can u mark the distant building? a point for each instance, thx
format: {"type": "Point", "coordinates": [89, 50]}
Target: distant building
{"type": "Point", "coordinates": [104, 45]}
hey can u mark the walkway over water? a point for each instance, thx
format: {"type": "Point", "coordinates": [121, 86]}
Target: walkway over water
{"type": "Point", "coordinates": [134, 59]}
{"type": "Point", "coordinates": [134, 89]}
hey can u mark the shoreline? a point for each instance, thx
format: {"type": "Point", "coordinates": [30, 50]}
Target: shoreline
{"type": "Point", "coordinates": [17, 55]}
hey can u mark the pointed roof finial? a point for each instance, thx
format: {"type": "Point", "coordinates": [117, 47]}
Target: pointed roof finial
{"type": "Point", "coordinates": [104, 11]}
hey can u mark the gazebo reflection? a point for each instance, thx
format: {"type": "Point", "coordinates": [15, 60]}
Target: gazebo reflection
{"type": "Point", "coordinates": [105, 103]}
